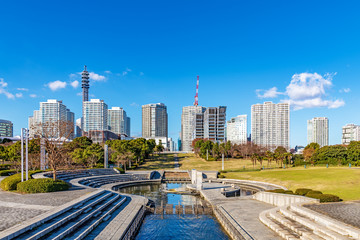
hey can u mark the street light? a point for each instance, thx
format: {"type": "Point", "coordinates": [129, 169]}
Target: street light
{"type": "Point", "coordinates": [24, 136]}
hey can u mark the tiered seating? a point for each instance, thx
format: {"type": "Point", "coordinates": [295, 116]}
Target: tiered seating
{"type": "Point", "coordinates": [294, 222]}
{"type": "Point", "coordinates": [71, 174]}
{"type": "Point", "coordinates": [78, 221]}
{"type": "Point", "coordinates": [99, 181]}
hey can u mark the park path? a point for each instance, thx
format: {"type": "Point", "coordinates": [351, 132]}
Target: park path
{"type": "Point", "coordinates": [176, 160]}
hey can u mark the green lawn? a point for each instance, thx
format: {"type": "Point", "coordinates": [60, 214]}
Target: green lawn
{"type": "Point", "coordinates": [158, 162]}
{"type": "Point", "coordinates": [340, 181]}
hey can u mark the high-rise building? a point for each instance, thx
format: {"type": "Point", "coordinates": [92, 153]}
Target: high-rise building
{"type": "Point", "coordinates": [51, 111]}
{"type": "Point", "coordinates": [236, 131]}
{"type": "Point", "coordinates": [154, 120]}
{"type": "Point", "coordinates": [214, 123]}
{"type": "Point", "coordinates": [95, 115]}
{"type": "Point", "coordinates": [350, 132]}
{"type": "Point", "coordinates": [270, 124]}
{"type": "Point", "coordinates": [6, 128]}
{"type": "Point", "coordinates": [85, 84]}
{"type": "Point", "coordinates": [118, 121]}
{"type": "Point", "coordinates": [188, 125]}
{"type": "Point", "coordinates": [78, 127]}
{"type": "Point", "coordinates": [318, 131]}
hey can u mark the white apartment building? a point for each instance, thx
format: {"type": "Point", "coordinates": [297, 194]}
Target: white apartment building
{"type": "Point", "coordinates": [118, 121]}
{"type": "Point", "coordinates": [154, 120]}
{"type": "Point", "coordinates": [95, 115]}
{"type": "Point", "coordinates": [214, 123]}
{"type": "Point", "coordinates": [350, 132]}
{"type": "Point", "coordinates": [236, 131]}
{"type": "Point", "coordinates": [318, 131]}
{"type": "Point", "coordinates": [188, 125]}
{"type": "Point", "coordinates": [270, 124]}
{"type": "Point", "coordinates": [50, 111]}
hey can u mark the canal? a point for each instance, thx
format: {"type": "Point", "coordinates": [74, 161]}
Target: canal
{"type": "Point", "coordinates": [174, 226]}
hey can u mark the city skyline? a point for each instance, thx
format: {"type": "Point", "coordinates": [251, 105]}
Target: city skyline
{"type": "Point", "coordinates": [228, 52]}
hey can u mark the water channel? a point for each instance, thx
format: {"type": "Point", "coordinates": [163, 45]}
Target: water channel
{"type": "Point", "coordinates": [173, 226]}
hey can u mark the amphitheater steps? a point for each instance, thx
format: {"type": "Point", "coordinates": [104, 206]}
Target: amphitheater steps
{"type": "Point", "coordinates": [78, 221]}
{"type": "Point", "coordinates": [289, 223]}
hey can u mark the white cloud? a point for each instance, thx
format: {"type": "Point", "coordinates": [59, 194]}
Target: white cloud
{"type": "Point", "coordinates": [3, 90]}
{"type": "Point", "coordinates": [22, 89]}
{"type": "Point", "coordinates": [56, 85]}
{"type": "Point", "coordinates": [73, 75]}
{"type": "Point", "coordinates": [96, 77]}
{"type": "Point", "coordinates": [270, 93]}
{"type": "Point", "coordinates": [33, 95]}
{"type": "Point", "coordinates": [19, 95]}
{"type": "Point", "coordinates": [79, 94]}
{"type": "Point", "coordinates": [127, 70]}
{"type": "Point", "coordinates": [345, 90]}
{"type": "Point", "coordinates": [306, 90]}
{"type": "Point", "coordinates": [141, 74]}
{"type": "Point", "coordinates": [74, 84]}
{"type": "Point", "coordinates": [107, 72]}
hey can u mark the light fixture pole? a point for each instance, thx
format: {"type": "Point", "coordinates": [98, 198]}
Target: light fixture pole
{"type": "Point", "coordinates": [24, 136]}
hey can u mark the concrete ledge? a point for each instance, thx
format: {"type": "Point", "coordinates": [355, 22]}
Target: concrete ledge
{"type": "Point", "coordinates": [20, 228]}
{"type": "Point", "coordinates": [115, 186]}
{"type": "Point", "coordinates": [279, 199]}
{"type": "Point", "coordinates": [330, 223]}
{"type": "Point", "coordinates": [257, 184]}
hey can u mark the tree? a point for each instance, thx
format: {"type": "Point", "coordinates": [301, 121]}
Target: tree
{"type": "Point", "coordinates": [94, 154]}
{"type": "Point", "coordinates": [55, 133]}
{"type": "Point", "coordinates": [309, 150]}
{"type": "Point", "coordinates": [353, 151]}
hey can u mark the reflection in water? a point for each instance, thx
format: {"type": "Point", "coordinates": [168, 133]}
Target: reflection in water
{"type": "Point", "coordinates": [174, 226]}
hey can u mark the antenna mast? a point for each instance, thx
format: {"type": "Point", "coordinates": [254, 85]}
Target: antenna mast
{"type": "Point", "coordinates": [197, 92]}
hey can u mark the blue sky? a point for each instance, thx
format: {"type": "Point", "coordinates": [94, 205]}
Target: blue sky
{"type": "Point", "coordinates": [246, 52]}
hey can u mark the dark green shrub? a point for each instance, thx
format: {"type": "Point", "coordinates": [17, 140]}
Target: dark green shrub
{"type": "Point", "coordinates": [10, 183]}
{"type": "Point", "coordinates": [277, 190]}
{"type": "Point", "coordinates": [42, 185]}
{"type": "Point", "coordinates": [302, 191]}
{"type": "Point", "coordinates": [313, 192]}
{"type": "Point", "coordinates": [324, 197]}
{"type": "Point", "coordinates": [221, 176]}
{"type": "Point", "coordinates": [7, 172]}
{"type": "Point", "coordinates": [120, 170]}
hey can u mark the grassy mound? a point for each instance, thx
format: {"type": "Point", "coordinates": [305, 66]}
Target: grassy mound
{"type": "Point", "coordinates": [42, 185]}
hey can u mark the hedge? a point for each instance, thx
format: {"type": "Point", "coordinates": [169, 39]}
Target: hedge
{"type": "Point", "coordinates": [324, 197]}
{"type": "Point", "coordinates": [42, 185]}
{"type": "Point", "coordinates": [276, 190]}
{"type": "Point", "coordinates": [302, 191]}
{"type": "Point", "coordinates": [5, 166]}
{"type": "Point", "coordinates": [313, 192]}
{"type": "Point", "coordinates": [10, 183]}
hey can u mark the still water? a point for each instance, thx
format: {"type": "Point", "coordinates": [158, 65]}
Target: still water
{"type": "Point", "coordinates": [174, 226]}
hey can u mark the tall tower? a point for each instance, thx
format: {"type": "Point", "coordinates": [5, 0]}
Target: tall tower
{"type": "Point", "coordinates": [85, 84]}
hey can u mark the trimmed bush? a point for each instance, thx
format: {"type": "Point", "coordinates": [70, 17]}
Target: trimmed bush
{"type": "Point", "coordinates": [221, 176]}
{"type": "Point", "coordinates": [120, 170]}
{"type": "Point", "coordinates": [313, 192]}
{"type": "Point", "coordinates": [42, 185]}
{"type": "Point", "coordinates": [5, 166]}
{"type": "Point", "coordinates": [10, 183]}
{"type": "Point", "coordinates": [302, 191]}
{"type": "Point", "coordinates": [324, 197]}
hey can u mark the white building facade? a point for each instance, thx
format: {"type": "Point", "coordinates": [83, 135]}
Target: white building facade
{"type": "Point", "coordinates": [188, 125]}
{"type": "Point", "coordinates": [154, 120]}
{"type": "Point", "coordinates": [350, 132]}
{"type": "Point", "coordinates": [270, 124]}
{"type": "Point", "coordinates": [118, 121]}
{"type": "Point", "coordinates": [95, 115]}
{"type": "Point", "coordinates": [215, 123]}
{"type": "Point", "coordinates": [318, 131]}
{"type": "Point", "coordinates": [236, 131]}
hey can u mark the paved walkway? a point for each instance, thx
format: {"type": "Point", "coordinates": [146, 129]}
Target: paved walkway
{"type": "Point", "coordinates": [347, 212]}
{"type": "Point", "coordinates": [176, 160]}
{"type": "Point", "coordinates": [244, 210]}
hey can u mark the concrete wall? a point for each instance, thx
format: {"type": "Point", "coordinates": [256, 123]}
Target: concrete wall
{"type": "Point", "coordinates": [279, 199]}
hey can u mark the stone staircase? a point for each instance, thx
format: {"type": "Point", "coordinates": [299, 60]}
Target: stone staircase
{"type": "Point", "coordinates": [97, 182]}
{"type": "Point", "coordinates": [73, 222]}
{"type": "Point", "coordinates": [296, 222]}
